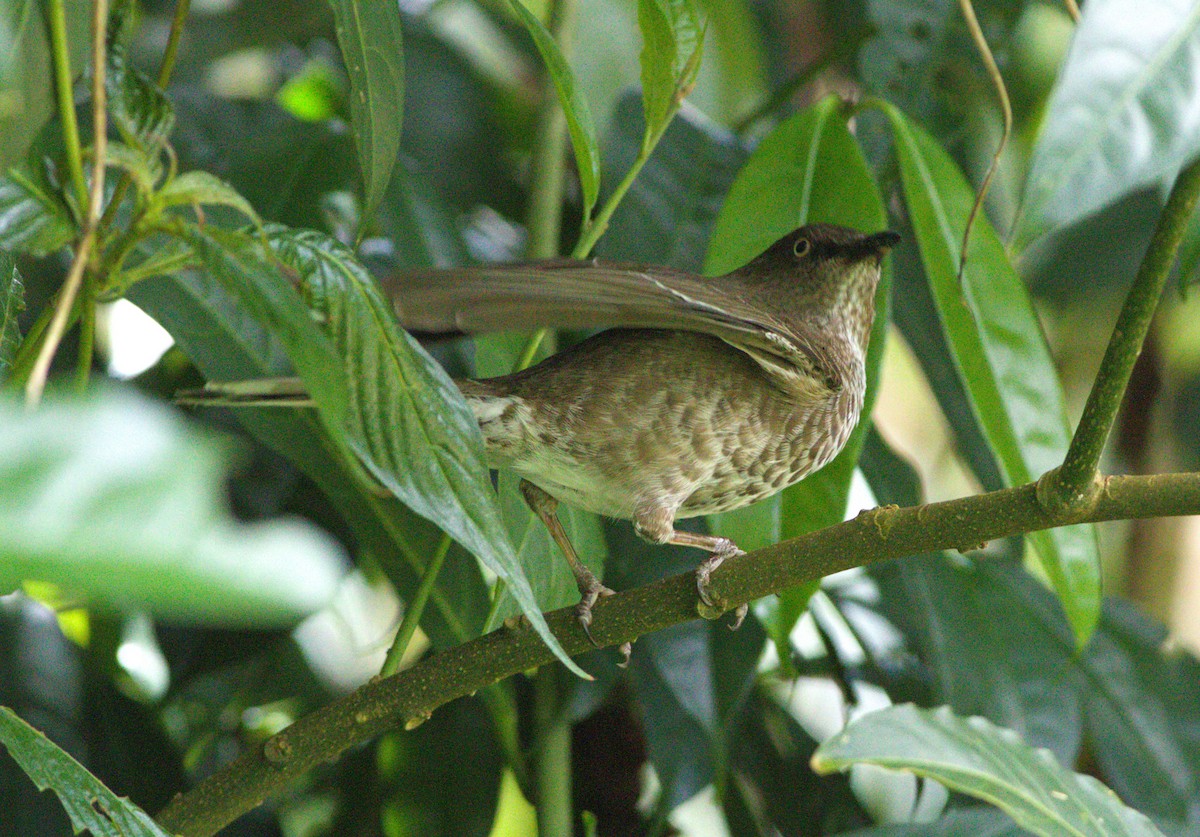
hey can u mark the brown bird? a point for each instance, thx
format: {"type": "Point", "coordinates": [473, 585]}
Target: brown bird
{"type": "Point", "coordinates": [705, 394]}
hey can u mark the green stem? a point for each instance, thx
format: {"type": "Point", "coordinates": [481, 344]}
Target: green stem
{"type": "Point", "coordinates": [87, 334]}
{"type": "Point", "coordinates": [414, 610]}
{"type": "Point", "coordinates": [595, 228]}
{"type": "Point", "coordinates": [544, 220]}
{"type": "Point", "coordinates": [29, 349]}
{"type": "Point", "coordinates": [63, 88]}
{"type": "Point", "coordinates": [1075, 481]}
{"type": "Point", "coordinates": [554, 808]}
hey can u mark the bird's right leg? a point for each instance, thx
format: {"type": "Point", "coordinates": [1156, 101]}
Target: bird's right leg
{"type": "Point", "coordinates": [590, 588]}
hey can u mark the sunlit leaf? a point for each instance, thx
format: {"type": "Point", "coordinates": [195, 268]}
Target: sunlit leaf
{"type": "Point", "coordinates": [575, 107]}
{"type": "Point", "coordinates": [406, 420]}
{"type": "Point", "coordinates": [1000, 352]}
{"type": "Point", "coordinates": [972, 756]}
{"type": "Point", "coordinates": [91, 805]}
{"type": "Point", "coordinates": [368, 33]}
{"type": "Point", "coordinates": [116, 499]}
{"type": "Point", "coordinates": [672, 46]}
{"type": "Point", "coordinates": [1125, 112]}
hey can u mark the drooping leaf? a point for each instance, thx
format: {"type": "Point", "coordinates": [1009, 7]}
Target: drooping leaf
{"type": "Point", "coordinates": [1125, 112]}
{"type": "Point", "coordinates": [807, 170]}
{"type": "Point", "coordinates": [369, 36]}
{"type": "Point", "coordinates": [975, 757]}
{"type": "Point", "coordinates": [236, 261]}
{"type": "Point", "coordinates": [406, 420]}
{"type": "Point", "coordinates": [91, 805]}
{"type": "Point", "coordinates": [672, 46]}
{"type": "Point", "coordinates": [202, 189]}
{"type": "Point", "coordinates": [33, 219]}
{"type": "Point", "coordinates": [575, 107]}
{"type": "Point", "coordinates": [1000, 352]}
{"type": "Point", "coordinates": [12, 301]}
{"type": "Point", "coordinates": [116, 499]}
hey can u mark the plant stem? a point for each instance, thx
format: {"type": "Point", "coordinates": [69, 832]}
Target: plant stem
{"type": "Point", "coordinates": [872, 536]}
{"type": "Point", "coordinates": [63, 88]}
{"type": "Point", "coordinates": [87, 335]}
{"type": "Point", "coordinates": [414, 610]}
{"type": "Point", "coordinates": [595, 228]}
{"type": "Point", "coordinates": [1075, 481]}
{"type": "Point", "coordinates": [95, 203]}
{"type": "Point", "coordinates": [548, 170]}
{"type": "Point", "coordinates": [554, 808]}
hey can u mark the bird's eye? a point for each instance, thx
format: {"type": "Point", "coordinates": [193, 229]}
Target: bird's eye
{"type": "Point", "coordinates": [801, 248]}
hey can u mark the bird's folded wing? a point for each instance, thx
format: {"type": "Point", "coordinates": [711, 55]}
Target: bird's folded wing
{"type": "Point", "coordinates": [594, 294]}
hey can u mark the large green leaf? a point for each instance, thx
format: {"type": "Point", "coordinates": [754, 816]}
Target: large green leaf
{"type": "Point", "coordinates": [12, 300]}
{"type": "Point", "coordinates": [117, 499]}
{"type": "Point", "coordinates": [1000, 351]}
{"type": "Point", "coordinates": [26, 72]}
{"type": "Point", "coordinates": [574, 105]}
{"type": "Point", "coordinates": [1122, 114]}
{"type": "Point", "coordinates": [807, 170]}
{"type": "Point", "coordinates": [672, 46]}
{"type": "Point", "coordinates": [91, 805]}
{"type": "Point", "coordinates": [972, 756]}
{"type": "Point", "coordinates": [368, 33]}
{"type": "Point", "coordinates": [406, 420]}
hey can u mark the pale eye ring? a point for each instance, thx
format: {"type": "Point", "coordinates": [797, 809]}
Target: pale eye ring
{"type": "Point", "coordinates": [801, 248]}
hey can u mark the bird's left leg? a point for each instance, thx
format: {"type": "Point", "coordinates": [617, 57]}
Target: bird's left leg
{"type": "Point", "coordinates": [657, 525]}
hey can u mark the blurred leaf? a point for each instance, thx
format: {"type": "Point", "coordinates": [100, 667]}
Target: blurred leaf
{"type": "Point", "coordinates": [976, 821]}
{"type": "Point", "coordinates": [406, 420]}
{"type": "Point", "coordinates": [199, 188]}
{"type": "Point", "coordinates": [33, 218]}
{"type": "Point", "coordinates": [672, 46]}
{"type": "Point", "coordinates": [807, 170]}
{"type": "Point", "coordinates": [972, 756]}
{"type": "Point", "coordinates": [1122, 114]}
{"type": "Point", "coordinates": [90, 804]}
{"type": "Point", "coordinates": [1143, 714]}
{"type": "Point", "coordinates": [227, 344]}
{"type": "Point", "coordinates": [12, 302]}
{"type": "Point", "coordinates": [945, 608]}
{"type": "Point", "coordinates": [669, 212]}
{"type": "Point", "coordinates": [116, 499]}
{"type": "Point", "coordinates": [1000, 351]}
{"type": "Point", "coordinates": [575, 107]}
{"type": "Point", "coordinates": [26, 73]}
{"type": "Point", "coordinates": [234, 260]}
{"type": "Point", "coordinates": [138, 107]}
{"type": "Point", "coordinates": [143, 170]}
{"type": "Point", "coordinates": [368, 33]}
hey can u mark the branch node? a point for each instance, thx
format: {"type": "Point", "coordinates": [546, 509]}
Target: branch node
{"type": "Point", "coordinates": [277, 749]}
{"type": "Point", "coordinates": [1064, 503]}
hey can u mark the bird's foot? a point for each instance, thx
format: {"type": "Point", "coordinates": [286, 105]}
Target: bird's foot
{"type": "Point", "coordinates": [712, 606]}
{"type": "Point", "coordinates": [592, 591]}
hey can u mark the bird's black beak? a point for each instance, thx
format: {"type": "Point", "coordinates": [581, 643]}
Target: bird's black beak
{"type": "Point", "coordinates": [875, 245]}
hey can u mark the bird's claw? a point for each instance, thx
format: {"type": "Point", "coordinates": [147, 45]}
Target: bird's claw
{"type": "Point", "coordinates": [710, 606]}
{"type": "Point", "coordinates": [583, 610]}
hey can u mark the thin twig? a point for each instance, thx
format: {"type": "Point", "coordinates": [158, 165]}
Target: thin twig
{"type": "Point", "coordinates": [414, 610]}
{"type": "Point", "coordinates": [1072, 9]}
{"type": "Point", "coordinates": [66, 300]}
{"type": "Point", "coordinates": [989, 62]}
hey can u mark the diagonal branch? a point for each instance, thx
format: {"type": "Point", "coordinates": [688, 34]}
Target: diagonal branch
{"type": "Point", "coordinates": [409, 698]}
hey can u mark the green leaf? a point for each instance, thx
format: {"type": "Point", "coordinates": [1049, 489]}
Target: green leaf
{"type": "Point", "coordinates": [12, 302]}
{"type": "Point", "coordinates": [1122, 114]}
{"type": "Point", "coordinates": [115, 498]}
{"type": "Point", "coordinates": [200, 187]}
{"type": "Point", "coordinates": [972, 756]}
{"type": "Point", "coordinates": [368, 33]}
{"type": "Point", "coordinates": [406, 420]}
{"type": "Point", "coordinates": [809, 169]}
{"type": "Point", "coordinates": [672, 46]}
{"type": "Point", "coordinates": [138, 107]}
{"type": "Point", "coordinates": [33, 219]}
{"type": "Point", "coordinates": [575, 107]}
{"type": "Point", "coordinates": [236, 261]}
{"type": "Point", "coordinates": [26, 72]}
{"type": "Point", "coordinates": [91, 805]}
{"type": "Point", "coordinates": [142, 169]}
{"type": "Point", "coordinates": [1000, 352]}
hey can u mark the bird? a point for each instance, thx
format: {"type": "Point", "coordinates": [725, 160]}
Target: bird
{"type": "Point", "coordinates": [700, 395]}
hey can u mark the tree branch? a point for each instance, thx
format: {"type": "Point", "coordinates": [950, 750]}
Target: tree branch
{"type": "Point", "coordinates": [410, 697]}
{"type": "Point", "coordinates": [1074, 483]}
